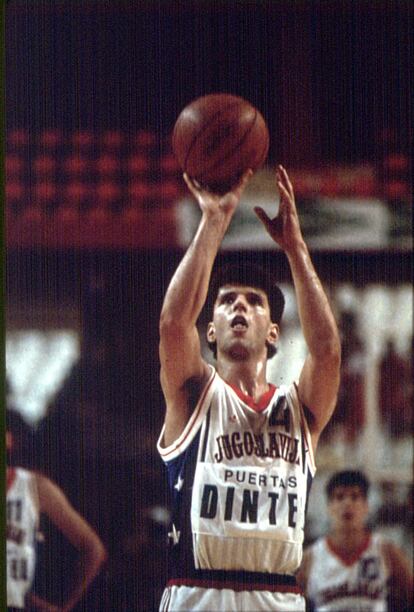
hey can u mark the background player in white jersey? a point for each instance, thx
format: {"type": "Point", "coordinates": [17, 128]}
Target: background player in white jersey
{"type": "Point", "coordinates": [28, 495]}
{"type": "Point", "coordinates": [351, 568]}
{"type": "Point", "coordinates": [238, 451]}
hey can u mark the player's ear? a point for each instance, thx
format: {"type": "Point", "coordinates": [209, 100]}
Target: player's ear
{"type": "Point", "coordinates": [273, 334]}
{"type": "Point", "coordinates": [211, 332]}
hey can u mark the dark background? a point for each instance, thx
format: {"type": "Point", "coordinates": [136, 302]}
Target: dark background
{"type": "Point", "coordinates": [333, 80]}
{"type": "Point", "coordinates": [329, 76]}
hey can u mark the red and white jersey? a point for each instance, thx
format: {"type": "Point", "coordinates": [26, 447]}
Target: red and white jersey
{"type": "Point", "coordinates": [22, 524]}
{"type": "Point", "coordinates": [240, 479]}
{"type": "Point", "coordinates": [339, 583]}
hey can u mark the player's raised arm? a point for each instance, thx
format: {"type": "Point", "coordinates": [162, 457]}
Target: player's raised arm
{"type": "Point", "coordinates": [319, 379]}
{"type": "Point", "coordinates": [183, 371]}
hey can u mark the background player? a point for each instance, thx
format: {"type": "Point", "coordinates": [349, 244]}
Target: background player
{"type": "Point", "coordinates": [239, 452]}
{"type": "Point", "coordinates": [28, 495]}
{"type": "Point", "coordinates": [351, 568]}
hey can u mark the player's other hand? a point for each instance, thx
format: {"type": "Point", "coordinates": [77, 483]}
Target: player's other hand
{"type": "Point", "coordinates": [284, 228]}
{"type": "Point", "coordinates": [212, 203]}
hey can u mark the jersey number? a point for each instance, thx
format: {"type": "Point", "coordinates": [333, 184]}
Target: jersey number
{"type": "Point", "coordinates": [280, 414]}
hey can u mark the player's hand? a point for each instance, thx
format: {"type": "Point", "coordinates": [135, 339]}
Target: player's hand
{"type": "Point", "coordinates": [212, 203]}
{"type": "Point", "coordinates": [284, 228]}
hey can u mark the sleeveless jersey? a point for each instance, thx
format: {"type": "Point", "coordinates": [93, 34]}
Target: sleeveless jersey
{"type": "Point", "coordinates": [22, 523]}
{"type": "Point", "coordinates": [359, 584]}
{"type": "Point", "coordinates": [240, 481]}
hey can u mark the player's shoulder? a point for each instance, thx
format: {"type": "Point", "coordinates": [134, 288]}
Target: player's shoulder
{"type": "Point", "coordinates": [23, 476]}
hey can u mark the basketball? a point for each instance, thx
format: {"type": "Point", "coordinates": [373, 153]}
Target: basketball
{"type": "Point", "coordinates": [217, 137]}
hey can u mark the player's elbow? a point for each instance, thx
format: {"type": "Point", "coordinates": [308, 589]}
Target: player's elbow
{"type": "Point", "coordinates": [101, 553]}
{"type": "Point", "coordinates": [94, 550]}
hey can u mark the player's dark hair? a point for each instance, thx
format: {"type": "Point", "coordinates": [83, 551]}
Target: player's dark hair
{"type": "Point", "coordinates": [249, 275]}
{"type": "Point", "coordinates": [348, 478]}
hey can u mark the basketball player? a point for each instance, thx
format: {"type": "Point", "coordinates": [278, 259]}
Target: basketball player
{"type": "Point", "coordinates": [28, 494]}
{"type": "Point", "coordinates": [240, 452]}
{"type": "Point", "coordinates": [351, 568]}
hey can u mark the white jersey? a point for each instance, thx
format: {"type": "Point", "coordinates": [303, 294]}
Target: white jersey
{"type": "Point", "coordinates": [240, 480]}
{"type": "Point", "coordinates": [22, 525]}
{"type": "Point", "coordinates": [358, 584]}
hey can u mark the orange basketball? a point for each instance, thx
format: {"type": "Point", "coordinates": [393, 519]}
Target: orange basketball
{"type": "Point", "coordinates": [218, 137]}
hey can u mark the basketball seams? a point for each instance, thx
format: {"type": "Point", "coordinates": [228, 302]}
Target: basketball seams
{"type": "Point", "coordinates": [217, 137]}
{"type": "Point", "coordinates": [207, 126]}
{"type": "Point", "coordinates": [230, 153]}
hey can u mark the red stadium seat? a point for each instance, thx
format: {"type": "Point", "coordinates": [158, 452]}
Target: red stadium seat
{"type": "Point", "coordinates": [13, 164]}
{"type": "Point", "coordinates": [112, 138]}
{"type": "Point", "coordinates": [145, 139]}
{"type": "Point", "coordinates": [107, 191]}
{"type": "Point", "coordinates": [18, 138]}
{"type": "Point", "coordinates": [83, 138]}
{"type": "Point", "coordinates": [139, 191]}
{"type": "Point", "coordinates": [76, 164]}
{"type": "Point", "coordinates": [51, 138]}
{"type": "Point", "coordinates": [77, 191]}
{"type": "Point", "coordinates": [44, 191]}
{"type": "Point", "coordinates": [44, 164]}
{"type": "Point", "coordinates": [107, 164]}
{"type": "Point", "coordinates": [138, 164]}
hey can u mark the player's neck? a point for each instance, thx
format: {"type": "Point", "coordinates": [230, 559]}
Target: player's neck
{"type": "Point", "coordinates": [348, 539]}
{"type": "Point", "coordinates": [248, 376]}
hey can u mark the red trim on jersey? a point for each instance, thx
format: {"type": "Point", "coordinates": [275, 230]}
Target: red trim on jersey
{"type": "Point", "coordinates": [10, 476]}
{"type": "Point", "coordinates": [233, 586]}
{"type": "Point", "coordinates": [262, 402]}
{"type": "Point", "coordinates": [349, 558]}
{"type": "Point", "coordinates": [193, 418]}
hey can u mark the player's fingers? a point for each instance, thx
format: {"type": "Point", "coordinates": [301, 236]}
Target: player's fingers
{"type": "Point", "coordinates": [286, 180]}
{"type": "Point", "coordinates": [260, 213]}
{"type": "Point", "coordinates": [286, 198]}
{"type": "Point", "coordinates": [192, 186]}
{"type": "Point", "coordinates": [238, 190]}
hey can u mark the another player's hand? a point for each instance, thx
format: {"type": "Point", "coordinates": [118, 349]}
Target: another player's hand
{"type": "Point", "coordinates": [284, 228]}
{"type": "Point", "coordinates": [212, 203]}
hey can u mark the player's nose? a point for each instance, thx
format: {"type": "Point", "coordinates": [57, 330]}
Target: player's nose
{"type": "Point", "coordinates": [240, 304]}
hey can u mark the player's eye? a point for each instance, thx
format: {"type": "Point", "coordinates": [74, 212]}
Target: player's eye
{"type": "Point", "coordinates": [255, 299]}
{"type": "Point", "coordinates": [228, 298]}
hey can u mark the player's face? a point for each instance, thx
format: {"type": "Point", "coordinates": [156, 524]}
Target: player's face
{"type": "Point", "coordinates": [348, 507]}
{"type": "Point", "coordinates": [241, 322]}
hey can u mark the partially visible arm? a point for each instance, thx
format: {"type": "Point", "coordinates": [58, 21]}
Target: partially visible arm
{"type": "Point", "coordinates": [303, 571]}
{"type": "Point", "coordinates": [401, 577]}
{"type": "Point", "coordinates": [80, 534]}
{"type": "Point", "coordinates": [180, 353]}
{"type": "Point", "coordinates": [319, 378]}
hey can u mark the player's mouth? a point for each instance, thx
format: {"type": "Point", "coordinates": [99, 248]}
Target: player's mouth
{"type": "Point", "coordinates": [239, 323]}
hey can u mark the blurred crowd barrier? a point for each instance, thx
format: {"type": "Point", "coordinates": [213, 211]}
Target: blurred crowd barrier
{"type": "Point", "coordinates": [113, 189]}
